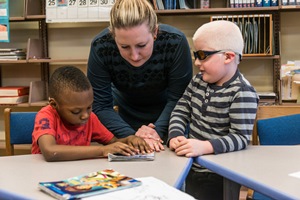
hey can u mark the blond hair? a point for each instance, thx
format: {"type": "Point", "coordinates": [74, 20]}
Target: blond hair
{"type": "Point", "coordinates": [131, 13]}
{"type": "Point", "coordinates": [221, 35]}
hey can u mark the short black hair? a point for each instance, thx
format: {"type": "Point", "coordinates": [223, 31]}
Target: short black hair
{"type": "Point", "coordinates": [67, 78]}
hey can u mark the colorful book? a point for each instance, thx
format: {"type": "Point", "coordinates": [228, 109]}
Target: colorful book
{"type": "Point", "coordinates": [14, 91]}
{"type": "Point", "coordinates": [14, 99]}
{"type": "Point", "coordinates": [94, 183]}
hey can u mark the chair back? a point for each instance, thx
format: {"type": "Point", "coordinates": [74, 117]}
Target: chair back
{"type": "Point", "coordinates": [284, 130]}
{"type": "Point", "coordinates": [265, 112]}
{"type": "Point", "coordinates": [275, 125]}
{"type": "Point", "coordinates": [18, 128]}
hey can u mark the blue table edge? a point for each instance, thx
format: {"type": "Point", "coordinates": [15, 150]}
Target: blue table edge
{"type": "Point", "coordinates": [179, 182]}
{"type": "Point", "coordinates": [231, 175]}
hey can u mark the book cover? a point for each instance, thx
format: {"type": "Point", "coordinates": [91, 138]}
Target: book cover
{"type": "Point", "coordinates": [8, 91]}
{"type": "Point", "coordinates": [14, 99]}
{"type": "Point", "coordinates": [139, 157]}
{"type": "Point", "coordinates": [94, 183]}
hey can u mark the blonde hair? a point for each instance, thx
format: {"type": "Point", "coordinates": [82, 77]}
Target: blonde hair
{"type": "Point", "coordinates": [131, 13]}
{"type": "Point", "coordinates": [221, 35]}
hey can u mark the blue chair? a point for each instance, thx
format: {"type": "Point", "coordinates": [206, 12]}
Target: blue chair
{"type": "Point", "coordinates": [283, 130]}
{"type": "Point", "coordinates": [18, 128]}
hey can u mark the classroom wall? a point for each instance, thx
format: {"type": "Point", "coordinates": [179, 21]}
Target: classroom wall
{"type": "Point", "coordinates": [72, 41]}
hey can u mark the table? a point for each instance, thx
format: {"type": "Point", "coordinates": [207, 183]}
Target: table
{"type": "Point", "coordinates": [264, 169]}
{"type": "Point", "coordinates": [20, 174]}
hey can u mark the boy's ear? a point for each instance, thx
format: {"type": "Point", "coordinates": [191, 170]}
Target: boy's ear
{"type": "Point", "coordinates": [229, 56]}
{"type": "Point", "coordinates": [52, 102]}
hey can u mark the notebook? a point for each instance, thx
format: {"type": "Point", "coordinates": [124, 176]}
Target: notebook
{"type": "Point", "coordinates": [138, 157]}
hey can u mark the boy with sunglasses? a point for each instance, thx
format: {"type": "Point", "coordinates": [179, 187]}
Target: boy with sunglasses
{"type": "Point", "coordinates": [219, 105]}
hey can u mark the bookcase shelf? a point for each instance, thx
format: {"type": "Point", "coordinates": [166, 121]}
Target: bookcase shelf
{"type": "Point", "coordinates": [218, 7]}
{"type": "Point", "coordinates": [27, 18]}
{"type": "Point", "coordinates": [28, 32]}
{"type": "Point", "coordinates": [210, 11]}
{"type": "Point", "coordinates": [26, 105]}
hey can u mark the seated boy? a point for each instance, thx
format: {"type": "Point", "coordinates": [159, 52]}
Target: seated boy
{"type": "Point", "coordinates": [219, 105]}
{"type": "Point", "coordinates": [65, 128]}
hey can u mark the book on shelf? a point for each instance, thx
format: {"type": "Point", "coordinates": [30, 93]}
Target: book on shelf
{"type": "Point", "coordinates": [183, 4]}
{"type": "Point", "coordinates": [12, 53]}
{"type": "Point", "coordinates": [14, 99]}
{"type": "Point", "coordinates": [267, 98]}
{"type": "Point", "coordinates": [12, 57]}
{"type": "Point", "coordinates": [14, 91]}
{"type": "Point", "coordinates": [11, 49]}
{"type": "Point", "coordinates": [138, 157]}
{"type": "Point", "coordinates": [90, 184]}
{"type": "Point", "coordinates": [160, 4]}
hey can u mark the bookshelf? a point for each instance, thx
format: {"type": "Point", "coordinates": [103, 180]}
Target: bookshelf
{"type": "Point", "coordinates": [69, 43]}
{"type": "Point", "coordinates": [28, 31]}
{"type": "Point", "coordinates": [269, 80]}
{"type": "Point", "coordinates": [262, 71]}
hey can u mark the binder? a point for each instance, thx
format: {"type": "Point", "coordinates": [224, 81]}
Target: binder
{"type": "Point", "coordinates": [274, 2]}
{"type": "Point", "coordinates": [292, 2]}
{"type": "Point", "coordinates": [259, 3]}
{"type": "Point", "coordinates": [266, 3]}
{"type": "Point", "coordinates": [17, 8]}
{"type": "Point", "coordinates": [285, 2]}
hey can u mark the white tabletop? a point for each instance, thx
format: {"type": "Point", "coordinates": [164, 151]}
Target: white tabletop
{"type": "Point", "coordinates": [21, 174]}
{"type": "Point", "coordinates": [265, 169]}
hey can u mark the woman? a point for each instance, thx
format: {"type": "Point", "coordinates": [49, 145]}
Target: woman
{"type": "Point", "coordinates": [141, 67]}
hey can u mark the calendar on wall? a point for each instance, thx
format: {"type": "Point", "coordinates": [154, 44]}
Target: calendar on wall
{"type": "Point", "coordinates": [78, 10]}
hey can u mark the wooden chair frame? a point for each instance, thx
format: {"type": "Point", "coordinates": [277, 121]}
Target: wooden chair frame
{"type": "Point", "coordinates": [7, 122]}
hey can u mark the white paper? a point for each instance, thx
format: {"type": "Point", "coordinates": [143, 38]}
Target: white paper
{"type": "Point", "coordinates": [151, 189]}
{"type": "Point", "coordinates": [295, 174]}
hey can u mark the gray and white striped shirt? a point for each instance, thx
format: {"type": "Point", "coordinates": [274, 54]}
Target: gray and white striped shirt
{"type": "Point", "coordinates": [224, 115]}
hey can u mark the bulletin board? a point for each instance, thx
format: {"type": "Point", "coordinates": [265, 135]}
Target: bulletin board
{"type": "Point", "coordinates": [4, 21]}
{"type": "Point", "coordinates": [78, 10]}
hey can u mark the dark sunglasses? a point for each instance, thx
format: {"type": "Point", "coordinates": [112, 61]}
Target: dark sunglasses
{"type": "Point", "coordinates": [202, 55]}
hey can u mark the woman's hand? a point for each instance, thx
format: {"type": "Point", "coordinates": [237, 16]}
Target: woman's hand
{"type": "Point", "coordinates": [149, 134]}
{"type": "Point", "coordinates": [155, 145]}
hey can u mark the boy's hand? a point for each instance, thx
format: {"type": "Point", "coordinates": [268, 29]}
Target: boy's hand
{"type": "Point", "coordinates": [193, 148]}
{"type": "Point", "coordinates": [139, 144]}
{"type": "Point", "coordinates": [119, 147]}
{"type": "Point", "coordinates": [175, 142]}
